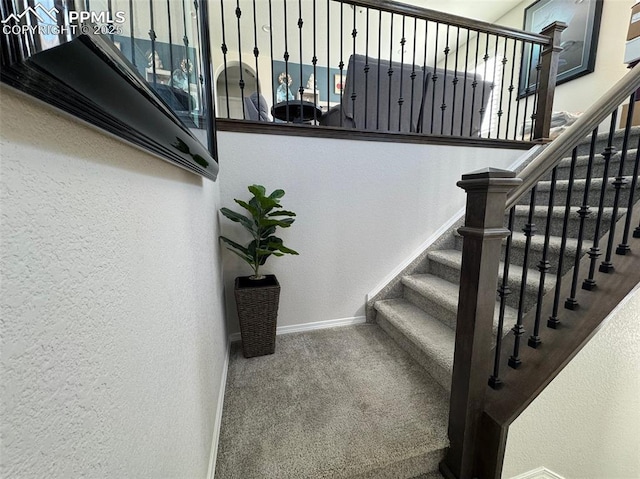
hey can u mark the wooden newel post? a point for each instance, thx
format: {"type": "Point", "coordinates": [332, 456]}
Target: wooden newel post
{"type": "Point", "coordinates": [547, 81]}
{"type": "Point", "coordinates": [483, 233]}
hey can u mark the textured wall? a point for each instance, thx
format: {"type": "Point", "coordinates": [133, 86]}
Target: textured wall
{"type": "Point", "coordinates": [363, 208]}
{"type": "Point", "coordinates": [585, 423]}
{"type": "Point", "coordinates": [112, 329]}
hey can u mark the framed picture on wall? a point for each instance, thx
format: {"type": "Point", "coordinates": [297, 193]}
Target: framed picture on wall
{"type": "Point", "coordinates": [579, 39]}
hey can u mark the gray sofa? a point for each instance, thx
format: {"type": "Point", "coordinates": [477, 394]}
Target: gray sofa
{"type": "Point", "coordinates": [376, 106]}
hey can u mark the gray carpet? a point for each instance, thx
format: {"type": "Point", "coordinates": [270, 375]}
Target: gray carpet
{"type": "Point", "coordinates": [336, 403]}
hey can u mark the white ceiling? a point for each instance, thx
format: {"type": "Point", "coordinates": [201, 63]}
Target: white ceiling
{"type": "Point", "coordinates": [486, 10]}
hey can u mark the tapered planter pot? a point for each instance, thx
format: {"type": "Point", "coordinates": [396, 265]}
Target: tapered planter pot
{"type": "Point", "coordinates": [257, 302]}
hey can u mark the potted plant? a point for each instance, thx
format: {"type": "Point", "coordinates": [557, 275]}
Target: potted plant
{"type": "Point", "coordinates": [257, 296]}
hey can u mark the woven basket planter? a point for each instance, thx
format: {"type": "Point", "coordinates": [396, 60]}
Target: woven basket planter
{"type": "Point", "coordinates": [257, 302]}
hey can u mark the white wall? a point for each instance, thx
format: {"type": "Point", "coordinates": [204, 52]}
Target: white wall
{"type": "Point", "coordinates": [585, 423]}
{"type": "Point", "coordinates": [363, 208]}
{"type": "Point", "coordinates": [113, 337]}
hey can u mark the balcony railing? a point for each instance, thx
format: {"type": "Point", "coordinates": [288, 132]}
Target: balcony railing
{"type": "Point", "coordinates": [381, 66]}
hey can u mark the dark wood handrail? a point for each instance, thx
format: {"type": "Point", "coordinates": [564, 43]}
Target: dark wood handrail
{"type": "Point", "coordinates": [449, 19]}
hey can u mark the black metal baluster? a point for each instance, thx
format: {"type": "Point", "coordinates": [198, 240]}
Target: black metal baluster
{"type": "Point", "coordinates": [400, 98]}
{"type": "Point", "coordinates": [354, 93]}
{"type": "Point", "coordinates": [256, 54]}
{"type": "Point", "coordinates": [390, 73]}
{"type": "Point", "coordinates": [241, 82]}
{"type": "Point", "coordinates": [434, 78]}
{"type": "Point", "coordinates": [518, 329]}
{"type": "Point", "coordinates": [534, 113]}
{"type": "Point", "coordinates": [455, 82]}
{"type": "Point", "coordinates": [366, 71]}
{"type": "Point", "coordinates": [443, 107]}
{"type": "Point", "coordinates": [197, 61]}
{"type": "Point", "coordinates": [301, 87]}
{"type": "Point", "coordinates": [484, 79]}
{"type": "Point", "coordinates": [314, 62]}
{"type": "Point", "coordinates": [607, 266]}
{"type": "Point", "coordinates": [379, 55]}
{"type": "Point", "coordinates": [170, 40]}
{"type": "Point", "coordinates": [110, 11]}
{"type": "Point", "coordinates": [341, 64]}
{"type": "Point", "coordinates": [286, 63]}
{"type": "Point", "coordinates": [518, 98]}
{"type": "Point", "coordinates": [273, 90]}
{"type": "Point", "coordinates": [413, 74]}
{"type": "Point", "coordinates": [152, 36]}
{"type": "Point", "coordinates": [224, 57]}
{"type": "Point", "coordinates": [511, 88]}
{"type": "Point", "coordinates": [464, 86]}
{"type": "Point", "coordinates": [474, 86]}
{"type": "Point", "coordinates": [623, 248]}
{"type": "Point", "coordinates": [329, 56]}
{"type": "Point", "coordinates": [527, 93]}
{"type": "Point", "coordinates": [132, 34]}
{"type": "Point", "coordinates": [543, 266]}
{"type": "Point", "coordinates": [583, 212]}
{"type": "Point", "coordinates": [504, 65]}
{"type": "Point", "coordinates": [594, 252]}
{"type": "Point", "coordinates": [424, 73]}
{"type": "Point", "coordinates": [503, 291]}
{"type": "Point", "coordinates": [493, 87]}
{"type": "Point", "coordinates": [553, 320]}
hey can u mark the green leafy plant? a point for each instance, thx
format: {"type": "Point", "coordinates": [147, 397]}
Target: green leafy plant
{"type": "Point", "coordinates": [265, 217]}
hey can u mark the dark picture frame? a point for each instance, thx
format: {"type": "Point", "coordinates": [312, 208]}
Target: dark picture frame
{"type": "Point", "coordinates": [579, 40]}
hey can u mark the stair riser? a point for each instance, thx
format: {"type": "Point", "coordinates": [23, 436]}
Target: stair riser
{"type": "Point", "coordinates": [452, 274]}
{"type": "Point", "coordinates": [441, 375]}
{"type": "Point", "coordinates": [573, 225]}
{"type": "Point", "coordinates": [441, 313]}
{"type": "Point", "coordinates": [542, 196]}
{"type": "Point", "coordinates": [564, 170]}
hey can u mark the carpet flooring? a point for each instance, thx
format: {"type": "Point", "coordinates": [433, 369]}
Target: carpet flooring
{"type": "Point", "coordinates": [335, 403]}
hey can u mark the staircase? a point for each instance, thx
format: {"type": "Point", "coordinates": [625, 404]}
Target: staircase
{"type": "Point", "coordinates": [418, 308]}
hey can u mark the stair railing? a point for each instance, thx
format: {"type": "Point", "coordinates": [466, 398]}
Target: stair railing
{"type": "Point", "coordinates": [484, 401]}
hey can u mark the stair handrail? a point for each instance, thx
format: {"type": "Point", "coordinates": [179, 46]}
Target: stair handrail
{"type": "Point", "coordinates": [584, 125]}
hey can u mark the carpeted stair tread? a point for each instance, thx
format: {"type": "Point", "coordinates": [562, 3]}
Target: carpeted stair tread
{"type": "Point", "coordinates": [555, 242]}
{"type": "Point", "coordinates": [583, 160]}
{"type": "Point", "coordinates": [445, 294]}
{"type": "Point", "coordinates": [557, 212]}
{"type": "Point", "coordinates": [433, 339]}
{"type": "Point", "coordinates": [580, 183]}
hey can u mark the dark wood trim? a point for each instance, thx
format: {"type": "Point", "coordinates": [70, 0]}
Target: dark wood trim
{"type": "Point", "coordinates": [449, 19]}
{"type": "Point", "coordinates": [541, 365]}
{"type": "Point", "coordinates": [290, 129]}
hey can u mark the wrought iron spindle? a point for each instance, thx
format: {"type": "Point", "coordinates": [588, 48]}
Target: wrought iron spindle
{"type": "Point", "coordinates": [152, 36]}
{"type": "Point", "coordinates": [434, 77]}
{"type": "Point", "coordinates": [455, 82]}
{"type": "Point", "coordinates": [341, 64]}
{"type": "Point", "coordinates": [400, 97]}
{"type": "Point", "coordinates": [483, 105]}
{"type": "Point", "coordinates": [301, 87]}
{"type": "Point", "coordinates": [543, 265]}
{"type": "Point", "coordinates": [197, 60]}
{"type": "Point", "coordinates": [273, 90]}
{"type": "Point", "coordinates": [571, 302]}
{"type": "Point", "coordinates": [110, 10]}
{"type": "Point", "coordinates": [366, 70]}
{"type": "Point", "coordinates": [443, 107]}
{"type": "Point", "coordinates": [503, 291]}
{"type": "Point", "coordinates": [511, 88]}
{"type": "Point", "coordinates": [518, 97]}
{"type": "Point", "coordinates": [474, 85]}
{"type": "Point", "coordinates": [390, 73]}
{"type": "Point", "coordinates": [224, 56]}
{"type": "Point", "coordinates": [607, 266]}
{"type": "Point", "coordinates": [132, 34]}
{"type": "Point", "coordinates": [314, 62]}
{"type": "Point", "coordinates": [518, 329]}
{"type": "Point", "coordinates": [241, 82]}
{"type": "Point", "coordinates": [424, 72]}
{"type": "Point", "coordinates": [493, 86]}
{"type": "Point", "coordinates": [413, 73]}
{"type": "Point", "coordinates": [379, 55]}
{"type": "Point", "coordinates": [553, 321]}
{"type": "Point", "coordinates": [534, 113]}
{"type": "Point", "coordinates": [527, 93]}
{"type": "Point", "coordinates": [354, 93]}
{"type": "Point", "coordinates": [329, 53]}
{"type": "Point", "coordinates": [256, 53]}
{"type": "Point", "coordinates": [286, 63]}
{"type": "Point", "coordinates": [170, 38]}
{"type": "Point", "coordinates": [623, 248]}
{"type": "Point", "coordinates": [504, 62]}
{"type": "Point", "coordinates": [464, 86]}
{"type": "Point", "coordinates": [590, 282]}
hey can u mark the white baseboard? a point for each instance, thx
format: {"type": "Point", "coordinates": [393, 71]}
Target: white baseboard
{"type": "Point", "coordinates": [539, 473]}
{"type": "Point", "coordinates": [217, 425]}
{"type": "Point", "coordinates": [299, 328]}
